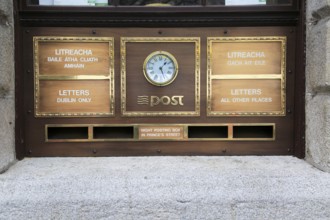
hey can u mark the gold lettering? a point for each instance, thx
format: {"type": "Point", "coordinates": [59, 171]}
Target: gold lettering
{"type": "Point", "coordinates": [163, 100]}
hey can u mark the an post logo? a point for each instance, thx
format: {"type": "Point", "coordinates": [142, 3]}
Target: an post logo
{"type": "Point", "coordinates": [163, 100]}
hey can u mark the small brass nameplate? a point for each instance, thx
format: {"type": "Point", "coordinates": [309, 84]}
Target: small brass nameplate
{"type": "Point", "coordinates": [246, 57]}
{"type": "Point", "coordinates": [74, 96]}
{"type": "Point", "coordinates": [73, 58]}
{"type": "Point", "coordinates": [161, 133]}
{"type": "Point", "coordinates": [249, 95]}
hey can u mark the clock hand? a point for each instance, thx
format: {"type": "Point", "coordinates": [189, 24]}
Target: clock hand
{"type": "Point", "coordinates": [161, 69]}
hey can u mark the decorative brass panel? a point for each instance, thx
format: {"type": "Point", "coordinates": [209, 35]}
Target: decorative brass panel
{"type": "Point", "coordinates": [77, 59]}
{"type": "Point", "coordinates": [166, 100]}
{"type": "Point", "coordinates": [253, 61]}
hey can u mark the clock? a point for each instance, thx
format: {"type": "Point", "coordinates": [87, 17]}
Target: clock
{"type": "Point", "coordinates": [160, 68]}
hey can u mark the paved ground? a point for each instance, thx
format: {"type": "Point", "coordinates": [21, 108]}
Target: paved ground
{"type": "Point", "coordinates": [164, 188]}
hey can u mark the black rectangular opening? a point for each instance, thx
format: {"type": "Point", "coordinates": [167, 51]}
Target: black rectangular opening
{"type": "Point", "coordinates": [114, 132]}
{"type": "Point", "coordinates": [253, 131]}
{"type": "Point", "coordinates": [61, 133]}
{"type": "Point", "coordinates": [207, 132]}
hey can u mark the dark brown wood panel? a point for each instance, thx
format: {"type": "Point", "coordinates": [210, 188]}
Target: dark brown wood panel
{"type": "Point", "coordinates": [183, 85]}
{"type": "Point", "coordinates": [34, 128]}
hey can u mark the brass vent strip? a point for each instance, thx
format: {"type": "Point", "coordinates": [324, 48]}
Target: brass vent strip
{"type": "Point", "coordinates": [90, 133]}
{"type": "Point", "coordinates": [133, 135]}
{"type": "Point", "coordinates": [230, 132]}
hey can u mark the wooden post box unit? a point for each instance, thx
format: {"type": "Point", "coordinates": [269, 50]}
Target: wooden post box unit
{"type": "Point", "coordinates": [125, 77]}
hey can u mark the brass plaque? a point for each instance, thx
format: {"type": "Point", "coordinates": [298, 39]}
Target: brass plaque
{"type": "Point", "coordinates": [73, 98]}
{"type": "Point", "coordinates": [246, 76]}
{"type": "Point", "coordinates": [246, 96]}
{"type": "Point", "coordinates": [232, 57]}
{"type": "Point", "coordinates": [74, 76]}
{"type": "Point", "coordinates": [140, 98]}
{"type": "Point", "coordinates": [73, 58]}
{"type": "Point", "coordinates": [161, 132]}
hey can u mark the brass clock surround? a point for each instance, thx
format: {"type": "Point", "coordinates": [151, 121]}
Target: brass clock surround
{"type": "Point", "coordinates": [160, 55]}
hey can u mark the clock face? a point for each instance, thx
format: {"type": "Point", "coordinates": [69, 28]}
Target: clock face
{"type": "Point", "coordinates": [160, 68]}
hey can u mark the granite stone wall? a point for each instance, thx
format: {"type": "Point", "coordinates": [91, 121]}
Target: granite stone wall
{"type": "Point", "coordinates": [318, 84]}
{"type": "Point", "coordinates": [7, 85]}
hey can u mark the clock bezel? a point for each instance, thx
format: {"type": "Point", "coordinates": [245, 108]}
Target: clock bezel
{"type": "Point", "coordinates": [169, 55]}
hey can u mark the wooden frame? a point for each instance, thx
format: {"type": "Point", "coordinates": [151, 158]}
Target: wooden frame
{"type": "Point", "coordinates": [195, 74]}
{"type": "Point", "coordinates": [92, 20]}
{"type": "Point", "coordinates": [203, 7]}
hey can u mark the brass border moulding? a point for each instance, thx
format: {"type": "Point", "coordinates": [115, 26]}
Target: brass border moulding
{"type": "Point", "coordinates": [185, 128]}
{"type": "Point", "coordinates": [278, 76]}
{"type": "Point", "coordinates": [38, 77]}
{"type": "Point", "coordinates": [125, 40]}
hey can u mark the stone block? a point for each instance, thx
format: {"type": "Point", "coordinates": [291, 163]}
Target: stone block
{"type": "Point", "coordinates": [318, 9]}
{"type": "Point", "coordinates": [318, 57]}
{"type": "Point", "coordinates": [7, 75]}
{"type": "Point", "coordinates": [184, 188]}
{"type": "Point", "coordinates": [7, 135]}
{"type": "Point", "coordinates": [7, 86]}
{"type": "Point", "coordinates": [318, 130]}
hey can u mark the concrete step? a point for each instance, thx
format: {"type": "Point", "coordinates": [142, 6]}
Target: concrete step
{"type": "Point", "coordinates": [164, 188]}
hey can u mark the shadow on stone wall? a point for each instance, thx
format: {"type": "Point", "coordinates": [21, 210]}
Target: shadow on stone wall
{"type": "Point", "coordinates": [3, 18]}
{"type": "Point", "coordinates": [4, 90]}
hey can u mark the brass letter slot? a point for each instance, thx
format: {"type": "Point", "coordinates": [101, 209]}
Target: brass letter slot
{"type": "Point", "coordinates": [113, 132]}
{"type": "Point", "coordinates": [67, 133]}
{"type": "Point", "coordinates": [253, 132]}
{"type": "Point", "coordinates": [199, 132]}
